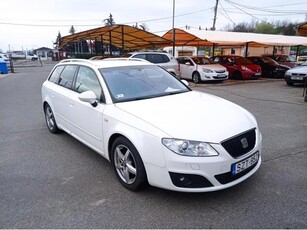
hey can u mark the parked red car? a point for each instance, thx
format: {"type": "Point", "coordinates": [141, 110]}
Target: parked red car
{"type": "Point", "coordinates": [239, 67]}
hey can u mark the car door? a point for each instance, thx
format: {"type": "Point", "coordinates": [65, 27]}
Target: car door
{"type": "Point", "coordinates": [187, 68]}
{"type": "Point", "coordinates": [87, 120]}
{"type": "Point", "coordinates": [61, 95]}
{"type": "Point", "coordinates": [229, 63]}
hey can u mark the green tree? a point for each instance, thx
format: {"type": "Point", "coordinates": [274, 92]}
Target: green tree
{"type": "Point", "coordinates": [264, 28]}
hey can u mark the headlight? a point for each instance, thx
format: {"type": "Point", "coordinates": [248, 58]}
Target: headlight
{"type": "Point", "coordinates": [189, 148]}
{"type": "Point", "coordinates": [243, 67]}
{"type": "Point", "coordinates": [207, 70]}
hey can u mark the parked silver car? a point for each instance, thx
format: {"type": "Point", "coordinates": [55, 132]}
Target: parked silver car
{"type": "Point", "coordinates": [297, 74]}
{"type": "Point", "coordinates": [165, 60]}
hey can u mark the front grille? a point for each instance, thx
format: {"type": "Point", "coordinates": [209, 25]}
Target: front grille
{"type": "Point", "coordinates": [220, 71]}
{"type": "Point", "coordinates": [241, 144]}
{"type": "Point", "coordinates": [217, 77]}
{"type": "Point", "coordinates": [299, 74]}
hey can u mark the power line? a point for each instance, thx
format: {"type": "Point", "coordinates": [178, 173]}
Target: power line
{"type": "Point", "coordinates": [233, 4]}
{"type": "Point", "coordinates": [226, 14]}
{"type": "Point", "coordinates": [265, 9]}
{"type": "Point", "coordinates": [95, 25]}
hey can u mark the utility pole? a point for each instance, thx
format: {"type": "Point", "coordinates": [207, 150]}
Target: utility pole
{"type": "Point", "coordinates": [173, 34]}
{"type": "Point", "coordinates": [215, 13]}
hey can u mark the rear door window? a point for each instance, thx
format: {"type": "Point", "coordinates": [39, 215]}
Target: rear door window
{"type": "Point", "coordinates": [55, 76]}
{"type": "Point", "coordinates": [165, 58]}
{"type": "Point", "coordinates": [141, 56]}
{"type": "Point", "coordinates": [67, 76]}
{"type": "Point", "coordinates": [155, 58]}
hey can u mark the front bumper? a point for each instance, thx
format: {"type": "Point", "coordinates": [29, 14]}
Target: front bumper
{"type": "Point", "coordinates": [213, 76]}
{"type": "Point", "coordinates": [202, 174]}
{"type": "Point", "coordinates": [295, 79]}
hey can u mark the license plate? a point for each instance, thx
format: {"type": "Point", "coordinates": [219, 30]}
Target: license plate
{"type": "Point", "coordinates": [221, 75]}
{"type": "Point", "coordinates": [245, 164]}
{"type": "Point", "coordinates": [257, 74]}
{"type": "Point", "coordinates": [297, 78]}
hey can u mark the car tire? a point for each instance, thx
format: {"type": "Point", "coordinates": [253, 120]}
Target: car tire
{"type": "Point", "coordinates": [196, 77]}
{"type": "Point", "coordinates": [128, 165]}
{"type": "Point", "coordinates": [50, 120]}
{"type": "Point", "coordinates": [237, 75]}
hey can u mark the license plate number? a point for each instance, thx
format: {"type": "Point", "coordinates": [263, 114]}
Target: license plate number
{"type": "Point", "coordinates": [245, 164]}
{"type": "Point", "coordinates": [221, 75]}
{"type": "Point", "coordinates": [297, 78]}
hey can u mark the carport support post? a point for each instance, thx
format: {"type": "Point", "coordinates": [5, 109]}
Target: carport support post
{"type": "Point", "coordinates": [102, 50]}
{"type": "Point", "coordinates": [110, 43]}
{"type": "Point", "coordinates": [246, 49]}
{"type": "Point", "coordinates": [123, 42]}
{"type": "Point", "coordinates": [297, 50]}
{"type": "Point", "coordinates": [213, 48]}
{"type": "Point", "coordinates": [96, 47]}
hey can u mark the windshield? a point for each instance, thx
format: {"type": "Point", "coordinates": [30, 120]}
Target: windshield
{"type": "Point", "coordinates": [131, 83]}
{"type": "Point", "coordinates": [269, 60]}
{"type": "Point", "coordinates": [290, 58]}
{"type": "Point", "coordinates": [202, 60]}
{"type": "Point", "coordinates": [304, 64]}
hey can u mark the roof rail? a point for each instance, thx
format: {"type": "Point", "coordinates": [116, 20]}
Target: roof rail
{"type": "Point", "coordinates": [75, 60]}
{"type": "Point", "coordinates": [125, 59]}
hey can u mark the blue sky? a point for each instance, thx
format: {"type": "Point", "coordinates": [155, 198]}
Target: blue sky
{"type": "Point", "coordinates": [30, 24]}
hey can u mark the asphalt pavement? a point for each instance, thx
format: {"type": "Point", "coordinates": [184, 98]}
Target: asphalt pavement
{"type": "Point", "coordinates": [54, 181]}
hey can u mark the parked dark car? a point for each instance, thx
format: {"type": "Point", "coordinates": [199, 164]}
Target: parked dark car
{"type": "Point", "coordinates": [287, 60]}
{"type": "Point", "coordinates": [270, 68]}
{"type": "Point", "coordinates": [239, 67]}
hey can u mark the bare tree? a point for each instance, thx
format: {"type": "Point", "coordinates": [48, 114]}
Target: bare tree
{"type": "Point", "coordinates": [109, 21]}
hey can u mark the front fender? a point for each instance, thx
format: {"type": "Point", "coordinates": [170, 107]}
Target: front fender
{"type": "Point", "coordinates": [148, 145]}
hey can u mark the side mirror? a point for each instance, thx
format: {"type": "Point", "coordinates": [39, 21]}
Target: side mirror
{"type": "Point", "coordinates": [185, 82]}
{"type": "Point", "coordinates": [187, 63]}
{"type": "Point", "coordinates": [88, 96]}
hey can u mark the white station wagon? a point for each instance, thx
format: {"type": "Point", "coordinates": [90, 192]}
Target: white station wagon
{"type": "Point", "coordinates": [151, 126]}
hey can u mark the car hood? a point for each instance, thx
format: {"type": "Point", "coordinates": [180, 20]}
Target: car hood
{"type": "Point", "coordinates": [192, 115]}
{"type": "Point", "coordinates": [298, 69]}
{"type": "Point", "coordinates": [253, 67]}
{"type": "Point", "coordinates": [212, 67]}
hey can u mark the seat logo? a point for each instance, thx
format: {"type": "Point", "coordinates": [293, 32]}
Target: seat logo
{"type": "Point", "coordinates": [244, 143]}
